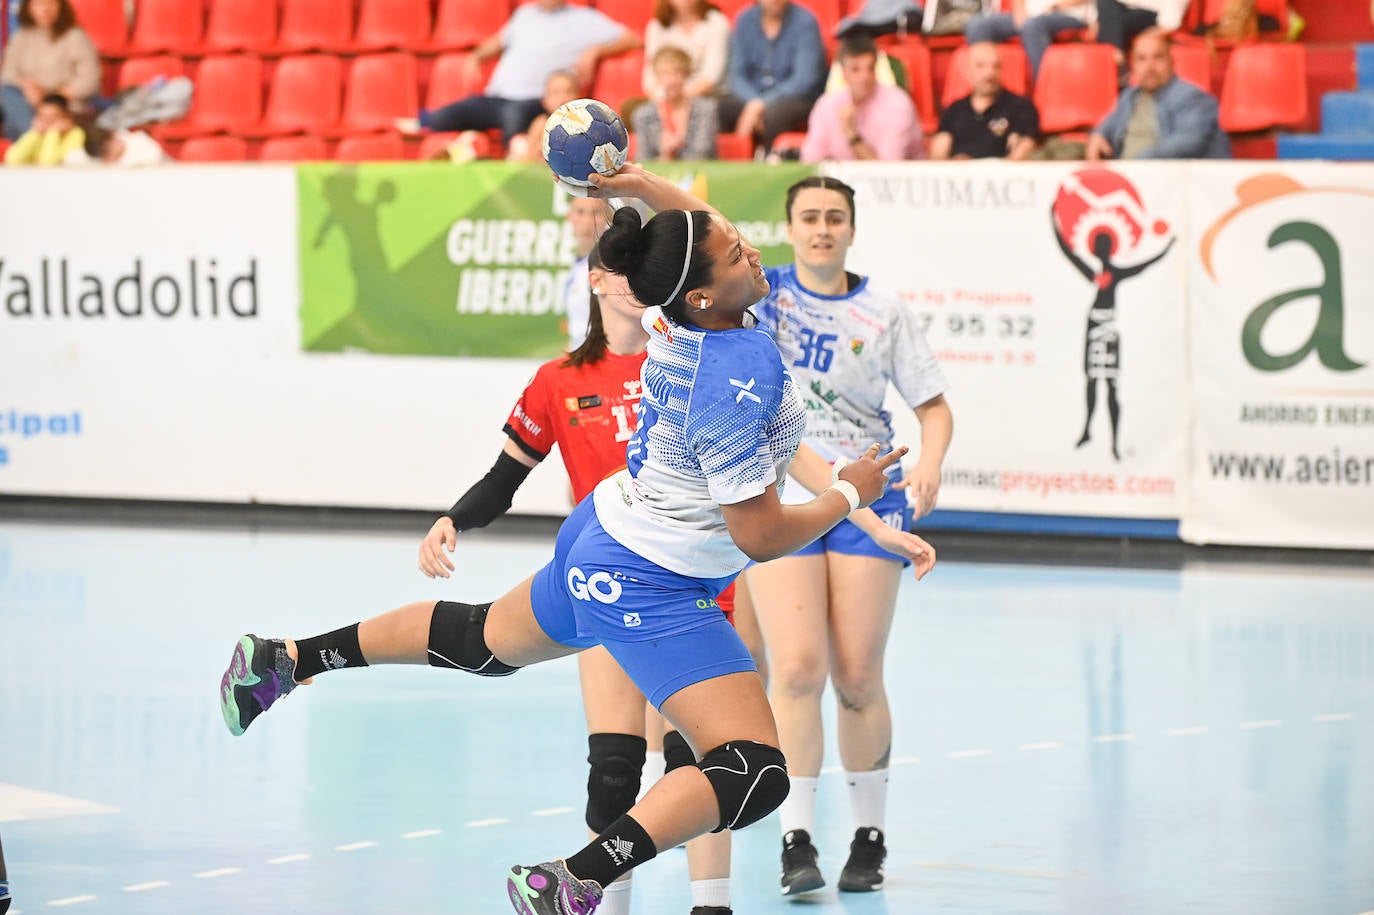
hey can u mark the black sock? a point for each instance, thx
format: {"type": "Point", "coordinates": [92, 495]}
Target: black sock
{"type": "Point", "coordinates": [624, 845]}
{"type": "Point", "coordinates": [330, 651]}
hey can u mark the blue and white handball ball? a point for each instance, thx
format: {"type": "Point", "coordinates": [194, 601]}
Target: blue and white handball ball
{"type": "Point", "coordinates": [582, 137]}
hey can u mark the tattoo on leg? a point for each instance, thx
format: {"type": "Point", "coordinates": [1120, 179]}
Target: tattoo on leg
{"type": "Point", "coordinates": [846, 703]}
{"type": "Point", "coordinates": [884, 760]}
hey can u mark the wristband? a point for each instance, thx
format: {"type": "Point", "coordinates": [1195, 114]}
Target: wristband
{"type": "Point", "coordinates": [850, 493]}
{"type": "Point", "coordinates": [835, 468]}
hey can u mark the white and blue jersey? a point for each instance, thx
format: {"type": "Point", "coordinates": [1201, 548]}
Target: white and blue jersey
{"type": "Point", "coordinates": [843, 351]}
{"type": "Point", "coordinates": [719, 422]}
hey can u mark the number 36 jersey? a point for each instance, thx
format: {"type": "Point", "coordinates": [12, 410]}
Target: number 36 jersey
{"type": "Point", "coordinates": [842, 351]}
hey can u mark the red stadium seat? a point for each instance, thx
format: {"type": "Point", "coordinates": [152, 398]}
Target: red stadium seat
{"type": "Point", "coordinates": [228, 97]}
{"type": "Point", "coordinates": [1265, 87]}
{"type": "Point", "coordinates": [308, 25]}
{"type": "Point", "coordinates": [448, 80]}
{"type": "Point", "coordinates": [1015, 73]}
{"type": "Point", "coordinates": [915, 59]}
{"type": "Point", "coordinates": [137, 71]}
{"type": "Point", "coordinates": [1193, 64]}
{"type": "Point", "coordinates": [238, 25]}
{"type": "Point", "coordinates": [167, 25]}
{"type": "Point", "coordinates": [214, 149]}
{"type": "Point", "coordinates": [633, 14]}
{"type": "Point", "coordinates": [104, 21]}
{"type": "Point", "coordinates": [1275, 9]}
{"type": "Point", "coordinates": [294, 149]}
{"type": "Point", "coordinates": [619, 78]}
{"type": "Point", "coordinates": [793, 140]}
{"type": "Point", "coordinates": [462, 24]}
{"type": "Point", "coordinates": [1076, 87]}
{"type": "Point", "coordinates": [385, 24]}
{"type": "Point", "coordinates": [828, 14]}
{"type": "Point", "coordinates": [303, 97]}
{"type": "Point", "coordinates": [381, 88]}
{"type": "Point", "coordinates": [380, 147]}
{"type": "Point", "coordinates": [734, 148]}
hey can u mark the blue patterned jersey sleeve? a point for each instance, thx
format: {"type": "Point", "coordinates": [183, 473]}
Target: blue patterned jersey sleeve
{"type": "Point", "coordinates": [735, 398]}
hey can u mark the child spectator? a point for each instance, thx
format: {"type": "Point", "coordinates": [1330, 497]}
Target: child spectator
{"type": "Point", "coordinates": [560, 88]}
{"type": "Point", "coordinates": [48, 55]}
{"type": "Point", "coordinates": [677, 126]}
{"type": "Point", "coordinates": [53, 134]}
{"type": "Point", "coordinates": [118, 147]}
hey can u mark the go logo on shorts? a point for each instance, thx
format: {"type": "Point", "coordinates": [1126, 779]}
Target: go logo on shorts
{"type": "Point", "coordinates": [600, 587]}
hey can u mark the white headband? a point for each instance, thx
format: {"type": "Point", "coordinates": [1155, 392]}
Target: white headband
{"type": "Point", "coordinates": [686, 263]}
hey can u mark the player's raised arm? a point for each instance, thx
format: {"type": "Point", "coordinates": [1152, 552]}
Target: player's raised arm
{"type": "Point", "coordinates": [655, 190]}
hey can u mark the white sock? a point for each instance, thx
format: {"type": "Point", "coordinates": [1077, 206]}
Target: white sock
{"type": "Point", "coordinates": [653, 771]}
{"type": "Point", "coordinates": [867, 797]}
{"type": "Point", "coordinates": [799, 810]}
{"type": "Point", "coordinates": [711, 892]}
{"type": "Point", "coordinates": [617, 898]}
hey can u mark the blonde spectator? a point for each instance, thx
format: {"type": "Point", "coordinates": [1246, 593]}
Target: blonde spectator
{"type": "Point", "coordinates": [52, 135]}
{"type": "Point", "coordinates": [560, 88]}
{"type": "Point", "coordinates": [697, 28]}
{"type": "Point", "coordinates": [864, 120]}
{"type": "Point", "coordinates": [48, 55]}
{"type": "Point", "coordinates": [677, 126]}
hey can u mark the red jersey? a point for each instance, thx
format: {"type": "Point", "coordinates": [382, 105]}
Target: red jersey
{"type": "Point", "coordinates": [588, 411]}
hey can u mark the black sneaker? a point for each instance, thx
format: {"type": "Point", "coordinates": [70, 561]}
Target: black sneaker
{"type": "Point", "coordinates": [712, 910]}
{"type": "Point", "coordinates": [863, 872]}
{"type": "Point", "coordinates": [800, 872]}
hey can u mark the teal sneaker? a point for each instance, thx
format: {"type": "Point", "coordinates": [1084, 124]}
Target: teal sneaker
{"type": "Point", "coordinates": [549, 889]}
{"type": "Point", "coordinates": [260, 672]}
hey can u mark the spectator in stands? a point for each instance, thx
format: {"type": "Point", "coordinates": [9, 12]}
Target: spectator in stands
{"type": "Point", "coordinates": [540, 37]}
{"type": "Point", "coordinates": [560, 88]}
{"type": "Point", "coordinates": [989, 122]}
{"type": "Point", "coordinates": [677, 126]}
{"type": "Point", "coordinates": [864, 120]}
{"type": "Point", "coordinates": [1161, 116]}
{"type": "Point", "coordinates": [52, 135]}
{"type": "Point", "coordinates": [777, 71]}
{"type": "Point", "coordinates": [118, 147]}
{"type": "Point", "coordinates": [1037, 22]}
{"type": "Point", "coordinates": [48, 55]}
{"type": "Point", "coordinates": [696, 27]}
{"type": "Point", "coordinates": [1120, 21]}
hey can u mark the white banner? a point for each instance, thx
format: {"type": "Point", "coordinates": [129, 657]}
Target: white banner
{"type": "Point", "coordinates": [1283, 355]}
{"type": "Point", "coordinates": [1053, 295]}
{"type": "Point", "coordinates": [150, 349]}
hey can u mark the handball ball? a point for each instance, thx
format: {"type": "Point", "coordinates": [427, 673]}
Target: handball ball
{"type": "Point", "coordinates": [582, 137]}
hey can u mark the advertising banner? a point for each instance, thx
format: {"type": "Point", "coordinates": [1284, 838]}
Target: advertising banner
{"type": "Point", "coordinates": [1282, 291]}
{"type": "Point", "coordinates": [442, 261]}
{"type": "Point", "coordinates": [1053, 296]}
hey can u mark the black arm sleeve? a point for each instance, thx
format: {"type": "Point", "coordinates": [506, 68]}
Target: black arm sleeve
{"type": "Point", "coordinates": [490, 497]}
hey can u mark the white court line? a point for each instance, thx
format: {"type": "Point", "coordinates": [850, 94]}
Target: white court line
{"type": "Point", "coordinates": [1043, 745]}
{"type": "Point", "coordinates": [1333, 716]}
{"type": "Point", "coordinates": [1256, 725]}
{"type": "Point", "coordinates": [150, 885]}
{"type": "Point", "coordinates": [1186, 732]}
{"type": "Point", "coordinates": [421, 834]}
{"type": "Point", "coordinates": [288, 859]}
{"type": "Point", "coordinates": [969, 754]}
{"type": "Point", "coordinates": [494, 821]}
{"type": "Point", "coordinates": [221, 872]}
{"type": "Point", "coordinates": [72, 900]}
{"type": "Point", "coordinates": [1113, 738]}
{"type": "Point", "coordinates": [354, 846]}
{"type": "Point", "coordinates": [550, 811]}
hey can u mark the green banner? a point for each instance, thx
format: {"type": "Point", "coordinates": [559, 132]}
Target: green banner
{"type": "Point", "coordinates": [435, 259]}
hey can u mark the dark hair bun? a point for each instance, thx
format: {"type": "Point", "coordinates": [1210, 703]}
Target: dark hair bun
{"type": "Point", "coordinates": [623, 245]}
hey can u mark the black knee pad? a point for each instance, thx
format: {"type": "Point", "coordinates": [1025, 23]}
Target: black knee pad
{"type": "Point", "coordinates": [750, 781]}
{"type": "Point", "coordinates": [677, 754]}
{"type": "Point", "coordinates": [456, 640]}
{"type": "Point", "coordinates": [617, 761]}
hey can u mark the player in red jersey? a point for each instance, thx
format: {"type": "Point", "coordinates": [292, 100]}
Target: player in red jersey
{"type": "Point", "coordinates": [585, 403]}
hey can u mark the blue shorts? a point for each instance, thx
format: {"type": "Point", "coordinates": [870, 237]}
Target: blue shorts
{"type": "Point", "coordinates": [666, 630]}
{"type": "Point", "coordinates": [846, 537]}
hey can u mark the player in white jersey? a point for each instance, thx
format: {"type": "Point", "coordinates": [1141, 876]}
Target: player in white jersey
{"type": "Point", "coordinates": [637, 566]}
{"type": "Point", "coordinates": [827, 609]}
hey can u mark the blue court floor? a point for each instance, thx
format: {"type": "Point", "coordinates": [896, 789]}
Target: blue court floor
{"type": "Point", "coordinates": [1068, 740]}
